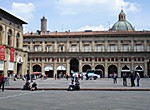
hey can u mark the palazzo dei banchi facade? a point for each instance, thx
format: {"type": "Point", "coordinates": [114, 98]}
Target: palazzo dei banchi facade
{"type": "Point", "coordinates": [120, 49]}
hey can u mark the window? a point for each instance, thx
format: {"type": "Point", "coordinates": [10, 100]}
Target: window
{"type": "Point", "coordinates": [138, 47]}
{"type": "Point", "coordinates": [86, 48]}
{"type": "Point", "coordinates": [112, 48]}
{"type": "Point", "coordinates": [99, 48]}
{"type": "Point", "coordinates": [17, 39]}
{"type": "Point", "coordinates": [9, 35]}
{"type": "Point", "coordinates": [125, 47]}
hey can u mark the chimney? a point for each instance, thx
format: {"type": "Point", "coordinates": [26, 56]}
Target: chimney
{"type": "Point", "coordinates": [43, 24]}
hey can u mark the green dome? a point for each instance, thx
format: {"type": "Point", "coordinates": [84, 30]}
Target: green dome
{"type": "Point", "coordinates": [122, 24]}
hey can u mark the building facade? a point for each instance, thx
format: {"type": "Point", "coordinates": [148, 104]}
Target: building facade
{"type": "Point", "coordinates": [120, 49]}
{"type": "Point", "coordinates": [12, 57]}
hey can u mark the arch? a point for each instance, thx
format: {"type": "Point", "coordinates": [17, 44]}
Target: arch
{"type": "Point", "coordinates": [125, 69]}
{"type": "Point", "coordinates": [111, 70]}
{"type": "Point", "coordinates": [140, 70]}
{"type": "Point", "coordinates": [49, 71]}
{"type": "Point", "coordinates": [101, 67]}
{"type": "Point", "coordinates": [61, 71]}
{"type": "Point", "coordinates": [61, 67]}
{"type": "Point", "coordinates": [86, 67]}
{"type": "Point", "coordinates": [74, 65]}
{"type": "Point", "coordinates": [37, 69]}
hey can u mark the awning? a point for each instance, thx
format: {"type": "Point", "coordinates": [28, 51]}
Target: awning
{"type": "Point", "coordinates": [48, 68]}
{"type": "Point", "coordinates": [36, 72]}
{"type": "Point", "coordinates": [61, 67]}
{"type": "Point", "coordinates": [19, 59]}
{"type": "Point", "coordinates": [125, 71]}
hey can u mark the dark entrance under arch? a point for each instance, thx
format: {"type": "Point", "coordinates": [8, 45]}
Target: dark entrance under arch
{"type": "Point", "coordinates": [140, 71]}
{"type": "Point", "coordinates": [85, 68]}
{"type": "Point", "coordinates": [37, 70]}
{"type": "Point", "coordinates": [101, 68]}
{"type": "Point", "coordinates": [19, 66]}
{"type": "Point", "coordinates": [111, 70]}
{"type": "Point", "coordinates": [74, 65]}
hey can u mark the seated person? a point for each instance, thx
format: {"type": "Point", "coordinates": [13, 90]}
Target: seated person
{"type": "Point", "coordinates": [34, 86]}
{"type": "Point", "coordinates": [27, 86]}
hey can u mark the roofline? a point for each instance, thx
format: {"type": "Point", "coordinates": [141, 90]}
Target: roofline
{"type": "Point", "coordinates": [23, 22]}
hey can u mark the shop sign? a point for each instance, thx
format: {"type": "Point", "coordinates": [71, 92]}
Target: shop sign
{"type": "Point", "coordinates": [2, 52]}
{"type": "Point", "coordinates": [12, 50]}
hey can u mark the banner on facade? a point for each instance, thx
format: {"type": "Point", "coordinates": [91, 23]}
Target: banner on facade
{"type": "Point", "coordinates": [2, 52]}
{"type": "Point", "coordinates": [12, 50]}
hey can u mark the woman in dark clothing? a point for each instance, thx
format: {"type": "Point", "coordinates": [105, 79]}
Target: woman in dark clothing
{"type": "Point", "coordinates": [132, 76]}
{"type": "Point", "coordinates": [124, 76]}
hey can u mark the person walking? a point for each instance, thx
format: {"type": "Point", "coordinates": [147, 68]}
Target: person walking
{"type": "Point", "coordinates": [115, 78]}
{"type": "Point", "coordinates": [2, 82]}
{"type": "Point", "coordinates": [138, 78]}
{"type": "Point", "coordinates": [124, 76]}
{"type": "Point", "coordinates": [132, 77]}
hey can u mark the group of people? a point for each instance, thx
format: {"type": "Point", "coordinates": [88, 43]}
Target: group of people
{"type": "Point", "coordinates": [132, 77]}
{"type": "Point", "coordinates": [28, 86]}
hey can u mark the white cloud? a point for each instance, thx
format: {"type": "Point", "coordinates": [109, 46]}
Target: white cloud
{"type": "Point", "coordinates": [93, 28]}
{"type": "Point", "coordinates": [86, 6]}
{"type": "Point", "coordinates": [23, 10]}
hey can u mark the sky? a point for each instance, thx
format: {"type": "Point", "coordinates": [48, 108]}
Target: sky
{"type": "Point", "coordinates": [78, 15]}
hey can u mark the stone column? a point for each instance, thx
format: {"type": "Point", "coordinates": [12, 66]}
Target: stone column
{"type": "Point", "coordinates": [93, 62]}
{"type": "Point", "coordinates": [80, 45]}
{"type": "Point", "coordinates": [106, 68]}
{"type": "Point", "coordinates": [119, 68]}
{"type": "Point", "coordinates": [43, 46]}
{"type": "Point", "coordinates": [106, 45]}
{"type": "Point", "coordinates": [43, 71]}
{"type": "Point", "coordinates": [67, 46]}
{"type": "Point", "coordinates": [80, 64]}
{"type": "Point", "coordinates": [6, 63]}
{"type": "Point", "coordinates": [30, 67]}
{"type": "Point", "coordinates": [145, 67]}
{"type": "Point", "coordinates": [55, 46]}
{"type": "Point", "coordinates": [132, 63]}
{"type": "Point", "coordinates": [93, 45]}
{"type": "Point", "coordinates": [145, 45]}
{"type": "Point", "coordinates": [55, 68]}
{"type": "Point", "coordinates": [68, 67]}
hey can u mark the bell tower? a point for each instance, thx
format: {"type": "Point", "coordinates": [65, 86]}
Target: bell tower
{"type": "Point", "coordinates": [43, 24]}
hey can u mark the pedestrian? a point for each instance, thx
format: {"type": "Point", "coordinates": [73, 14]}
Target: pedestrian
{"type": "Point", "coordinates": [115, 78]}
{"type": "Point", "coordinates": [2, 81]}
{"type": "Point", "coordinates": [67, 76]}
{"type": "Point", "coordinates": [132, 77]}
{"type": "Point", "coordinates": [138, 78]}
{"type": "Point", "coordinates": [124, 76]}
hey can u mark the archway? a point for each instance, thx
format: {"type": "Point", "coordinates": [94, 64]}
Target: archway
{"type": "Point", "coordinates": [126, 69]}
{"type": "Point", "coordinates": [61, 71]}
{"type": "Point", "coordinates": [101, 68]}
{"type": "Point", "coordinates": [37, 70]}
{"type": "Point", "coordinates": [49, 71]}
{"type": "Point", "coordinates": [74, 65]}
{"type": "Point", "coordinates": [111, 70]}
{"type": "Point", "coordinates": [140, 70]}
{"type": "Point", "coordinates": [85, 68]}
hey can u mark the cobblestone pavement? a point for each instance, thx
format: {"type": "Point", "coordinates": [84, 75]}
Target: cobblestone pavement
{"type": "Point", "coordinates": [74, 100]}
{"type": "Point", "coordinates": [13, 99]}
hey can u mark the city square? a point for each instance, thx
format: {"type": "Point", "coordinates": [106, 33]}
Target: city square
{"type": "Point", "coordinates": [101, 67]}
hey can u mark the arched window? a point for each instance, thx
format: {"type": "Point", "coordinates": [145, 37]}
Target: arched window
{"type": "Point", "coordinates": [9, 37]}
{"type": "Point", "coordinates": [17, 39]}
{"type": "Point", "coordinates": [1, 29]}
